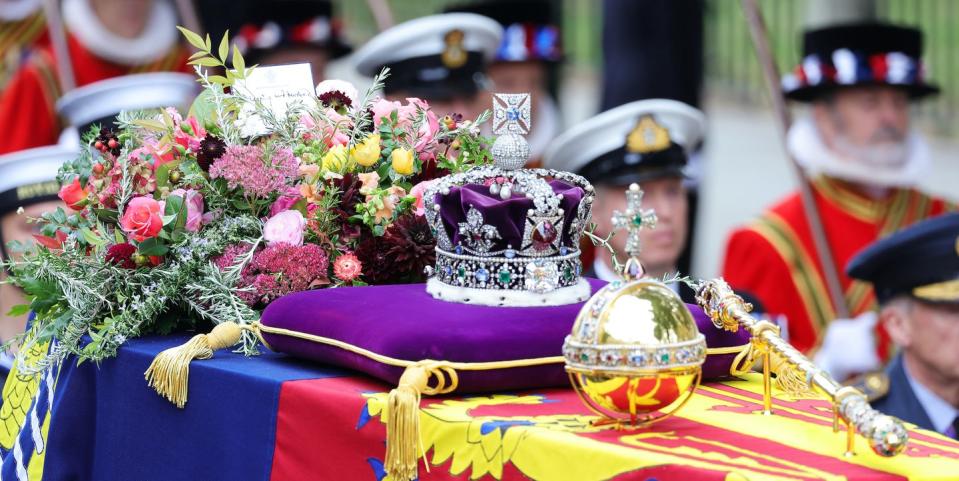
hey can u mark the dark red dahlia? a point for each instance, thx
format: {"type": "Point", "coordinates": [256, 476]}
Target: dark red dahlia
{"type": "Point", "coordinates": [121, 255]}
{"type": "Point", "coordinates": [211, 149]}
{"type": "Point", "coordinates": [336, 100]}
{"type": "Point", "coordinates": [401, 254]}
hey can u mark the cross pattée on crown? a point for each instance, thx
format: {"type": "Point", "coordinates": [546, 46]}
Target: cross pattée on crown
{"type": "Point", "coordinates": [633, 221]}
{"type": "Point", "coordinates": [511, 114]}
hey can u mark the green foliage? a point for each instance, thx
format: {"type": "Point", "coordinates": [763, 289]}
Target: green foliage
{"type": "Point", "coordinates": [206, 57]}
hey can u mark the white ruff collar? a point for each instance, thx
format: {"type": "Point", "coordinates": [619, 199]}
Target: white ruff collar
{"type": "Point", "coordinates": [806, 146]}
{"type": "Point", "coordinates": [13, 10]}
{"type": "Point", "coordinates": [158, 37]}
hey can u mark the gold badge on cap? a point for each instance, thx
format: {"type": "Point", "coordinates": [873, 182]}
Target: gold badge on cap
{"type": "Point", "coordinates": [454, 55]}
{"type": "Point", "coordinates": [647, 136]}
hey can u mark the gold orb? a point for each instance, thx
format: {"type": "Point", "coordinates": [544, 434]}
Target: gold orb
{"type": "Point", "coordinates": [635, 354]}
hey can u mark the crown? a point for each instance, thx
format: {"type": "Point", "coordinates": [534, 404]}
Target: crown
{"type": "Point", "coordinates": [505, 235]}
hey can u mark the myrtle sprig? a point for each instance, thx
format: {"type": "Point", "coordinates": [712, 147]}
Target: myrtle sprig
{"type": "Point", "coordinates": [603, 242]}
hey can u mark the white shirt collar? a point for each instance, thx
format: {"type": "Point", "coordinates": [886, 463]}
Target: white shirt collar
{"type": "Point", "coordinates": [605, 273]}
{"type": "Point", "coordinates": [941, 413]}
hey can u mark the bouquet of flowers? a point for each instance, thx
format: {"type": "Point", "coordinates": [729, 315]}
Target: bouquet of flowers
{"type": "Point", "coordinates": [176, 219]}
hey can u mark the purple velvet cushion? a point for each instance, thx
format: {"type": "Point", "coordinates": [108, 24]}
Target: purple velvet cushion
{"type": "Point", "coordinates": [717, 365]}
{"type": "Point", "coordinates": [405, 322]}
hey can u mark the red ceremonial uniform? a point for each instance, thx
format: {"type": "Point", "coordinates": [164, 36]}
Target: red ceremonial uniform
{"type": "Point", "coordinates": [28, 116]}
{"type": "Point", "coordinates": [774, 257]}
{"type": "Point", "coordinates": [17, 38]}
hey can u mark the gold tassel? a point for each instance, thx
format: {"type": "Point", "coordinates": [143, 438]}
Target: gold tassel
{"type": "Point", "coordinates": [789, 379]}
{"type": "Point", "coordinates": [403, 442]}
{"type": "Point", "coordinates": [169, 372]}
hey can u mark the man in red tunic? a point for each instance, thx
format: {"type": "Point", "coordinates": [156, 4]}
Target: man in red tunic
{"type": "Point", "coordinates": [107, 38]}
{"type": "Point", "coordinates": [858, 148]}
{"type": "Point", "coordinates": [22, 28]}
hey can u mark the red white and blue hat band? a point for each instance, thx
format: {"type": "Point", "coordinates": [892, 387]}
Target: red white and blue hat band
{"type": "Point", "coordinates": [318, 31]}
{"type": "Point", "coordinates": [528, 41]}
{"type": "Point", "coordinates": [848, 68]}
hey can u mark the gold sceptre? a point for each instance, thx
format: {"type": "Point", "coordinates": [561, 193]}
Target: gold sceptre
{"type": "Point", "coordinates": [886, 435]}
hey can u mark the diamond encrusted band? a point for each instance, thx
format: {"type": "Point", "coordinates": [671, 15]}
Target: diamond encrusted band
{"type": "Point", "coordinates": [509, 273]}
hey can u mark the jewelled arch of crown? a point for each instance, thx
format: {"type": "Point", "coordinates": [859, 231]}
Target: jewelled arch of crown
{"type": "Point", "coordinates": [543, 270]}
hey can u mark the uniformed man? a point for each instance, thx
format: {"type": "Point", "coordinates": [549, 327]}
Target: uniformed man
{"type": "Point", "coordinates": [22, 28]}
{"type": "Point", "coordinates": [292, 31]}
{"type": "Point", "coordinates": [27, 180]}
{"type": "Point", "coordinates": [915, 275]}
{"type": "Point", "coordinates": [644, 142]}
{"type": "Point", "coordinates": [864, 158]}
{"type": "Point", "coordinates": [527, 61]}
{"type": "Point", "coordinates": [107, 38]}
{"type": "Point", "coordinates": [441, 59]}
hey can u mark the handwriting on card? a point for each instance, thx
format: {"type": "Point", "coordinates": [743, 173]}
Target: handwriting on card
{"type": "Point", "coordinates": [277, 88]}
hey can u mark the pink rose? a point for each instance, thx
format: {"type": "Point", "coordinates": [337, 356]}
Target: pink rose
{"type": "Point", "coordinates": [189, 135]}
{"type": "Point", "coordinates": [160, 153]}
{"type": "Point", "coordinates": [427, 131]}
{"type": "Point", "coordinates": [286, 201]}
{"type": "Point", "coordinates": [142, 219]}
{"type": "Point", "coordinates": [417, 191]}
{"type": "Point", "coordinates": [285, 228]}
{"type": "Point", "coordinates": [383, 108]}
{"type": "Point", "coordinates": [194, 208]}
{"type": "Point", "coordinates": [73, 195]}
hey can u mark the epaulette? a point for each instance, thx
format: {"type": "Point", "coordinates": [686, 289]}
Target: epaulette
{"type": "Point", "coordinates": [875, 384]}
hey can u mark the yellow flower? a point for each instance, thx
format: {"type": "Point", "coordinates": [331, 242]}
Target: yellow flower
{"type": "Point", "coordinates": [402, 161]}
{"type": "Point", "coordinates": [368, 151]}
{"type": "Point", "coordinates": [337, 159]}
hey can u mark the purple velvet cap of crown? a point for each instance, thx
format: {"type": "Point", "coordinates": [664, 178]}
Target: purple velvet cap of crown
{"type": "Point", "coordinates": [405, 322]}
{"type": "Point", "coordinates": [507, 216]}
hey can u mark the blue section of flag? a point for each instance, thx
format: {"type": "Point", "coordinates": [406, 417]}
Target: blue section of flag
{"type": "Point", "coordinates": [491, 426]}
{"type": "Point", "coordinates": [99, 430]}
{"type": "Point", "coordinates": [364, 418]}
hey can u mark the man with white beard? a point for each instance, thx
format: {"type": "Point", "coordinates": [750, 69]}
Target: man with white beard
{"type": "Point", "coordinates": [864, 158]}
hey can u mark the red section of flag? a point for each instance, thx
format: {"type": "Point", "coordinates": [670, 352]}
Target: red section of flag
{"type": "Point", "coordinates": [324, 432]}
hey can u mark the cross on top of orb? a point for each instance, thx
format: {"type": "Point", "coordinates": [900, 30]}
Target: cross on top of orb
{"type": "Point", "coordinates": [511, 114]}
{"type": "Point", "coordinates": [634, 220]}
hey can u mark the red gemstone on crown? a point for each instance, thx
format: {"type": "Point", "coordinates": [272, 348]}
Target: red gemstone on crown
{"type": "Point", "coordinates": [543, 236]}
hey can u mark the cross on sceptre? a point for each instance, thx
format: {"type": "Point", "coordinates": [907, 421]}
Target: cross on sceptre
{"type": "Point", "coordinates": [633, 221]}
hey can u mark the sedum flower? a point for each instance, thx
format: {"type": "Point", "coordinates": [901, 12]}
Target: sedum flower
{"type": "Point", "coordinates": [249, 168]}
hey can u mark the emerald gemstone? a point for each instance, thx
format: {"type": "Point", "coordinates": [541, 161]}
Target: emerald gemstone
{"type": "Point", "coordinates": [461, 272]}
{"type": "Point", "coordinates": [637, 220]}
{"type": "Point", "coordinates": [584, 357]}
{"type": "Point", "coordinates": [567, 274]}
{"type": "Point", "coordinates": [505, 276]}
{"type": "Point", "coordinates": [664, 358]}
